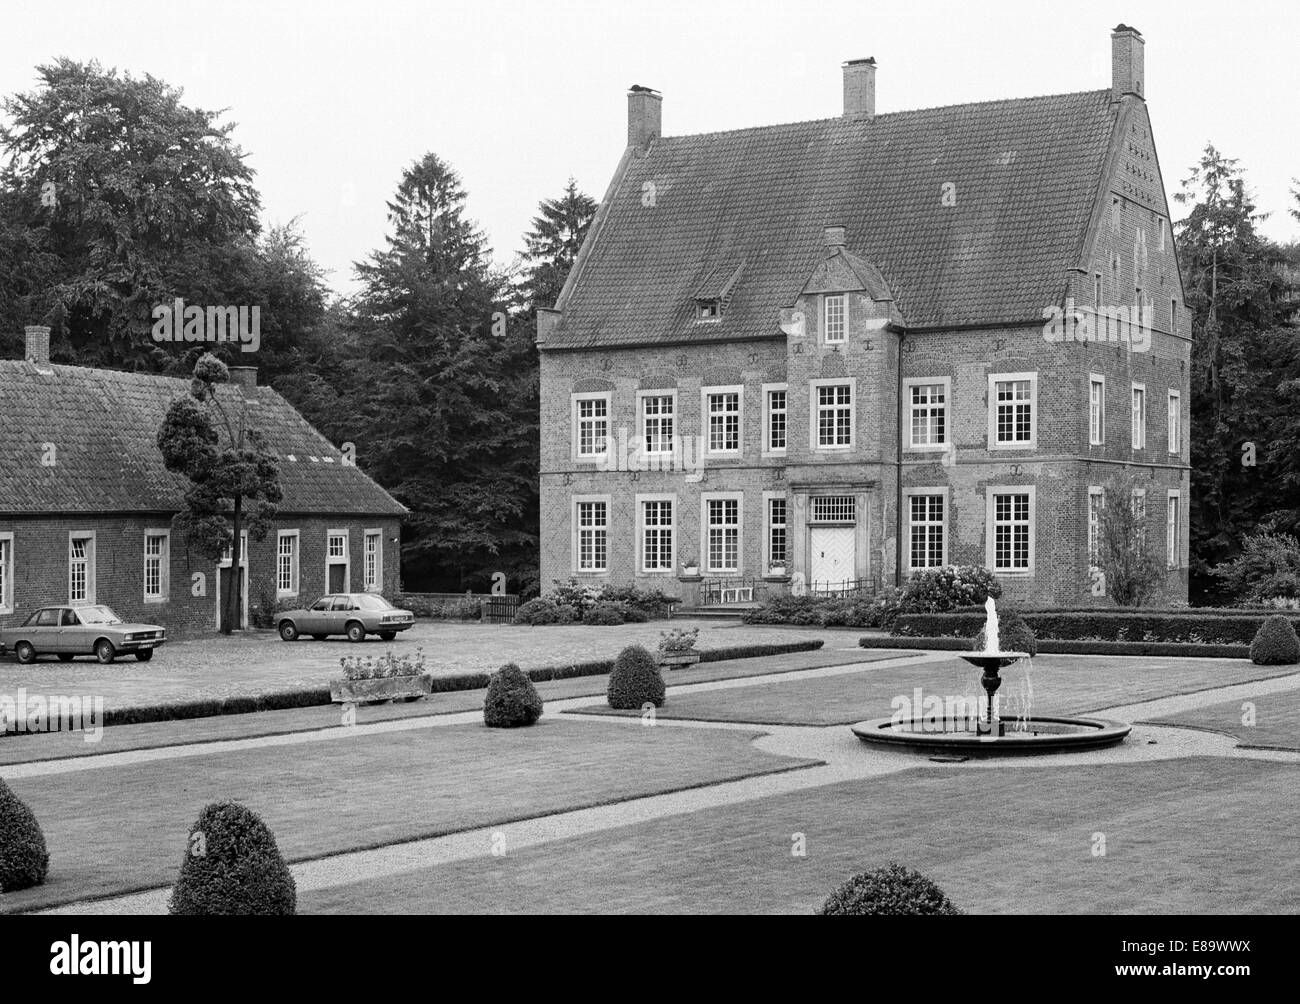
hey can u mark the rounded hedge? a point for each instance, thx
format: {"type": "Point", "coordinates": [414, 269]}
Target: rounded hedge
{"type": "Point", "coordinates": [232, 866]}
{"type": "Point", "coordinates": [512, 700]}
{"type": "Point", "coordinates": [24, 861]}
{"type": "Point", "coordinates": [1014, 635]}
{"type": "Point", "coordinates": [1275, 643]}
{"type": "Point", "coordinates": [635, 680]}
{"type": "Point", "coordinates": [888, 892]}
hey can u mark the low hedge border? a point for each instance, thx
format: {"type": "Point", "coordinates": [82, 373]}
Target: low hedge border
{"type": "Point", "coordinates": [1114, 626]}
{"type": "Point", "coordinates": [318, 696]}
{"type": "Point", "coordinates": [1051, 646]}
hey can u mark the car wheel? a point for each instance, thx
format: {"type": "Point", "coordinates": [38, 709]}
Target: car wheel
{"type": "Point", "coordinates": [104, 651]}
{"type": "Point", "coordinates": [144, 655]}
{"type": "Point", "coordinates": [25, 652]}
{"type": "Point", "coordinates": [388, 635]}
{"type": "Point", "coordinates": [65, 657]}
{"type": "Point", "coordinates": [288, 631]}
{"type": "Point", "coordinates": [356, 631]}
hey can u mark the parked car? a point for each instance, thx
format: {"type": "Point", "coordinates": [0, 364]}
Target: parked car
{"type": "Point", "coordinates": [87, 630]}
{"type": "Point", "coordinates": [353, 614]}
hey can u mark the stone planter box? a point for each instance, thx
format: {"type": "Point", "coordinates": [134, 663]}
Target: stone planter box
{"type": "Point", "coordinates": [677, 660]}
{"type": "Point", "coordinates": [388, 688]}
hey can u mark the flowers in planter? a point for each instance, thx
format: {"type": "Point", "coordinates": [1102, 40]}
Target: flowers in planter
{"type": "Point", "coordinates": [677, 640]}
{"type": "Point", "coordinates": [357, 667]}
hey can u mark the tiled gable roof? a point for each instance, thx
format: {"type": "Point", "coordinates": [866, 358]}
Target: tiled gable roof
{"type": "Point", "coordinates": [1025, 172]}
{"type": "Point", "coordinates": [103, 426]}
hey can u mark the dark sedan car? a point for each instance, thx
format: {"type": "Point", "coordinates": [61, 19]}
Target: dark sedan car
{"type": "Point", "coordinates": [87, 630]}
{"type": "Point", "coordinates": [353, 614]}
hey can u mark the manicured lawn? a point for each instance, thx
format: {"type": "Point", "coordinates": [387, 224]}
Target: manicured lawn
{"type": "Point", "coordinates": [1277, 720]}
{"type": "Point", "coordinates": [120, 828]}
{"type": "Point", "coordinates": [56, 745]}
{"type": "Point", "coordinates": [1062, 684]}
{"type": "Point", "coordinates": [257, 662]}
{"type": "Point", "coordinates": [1198, 836]}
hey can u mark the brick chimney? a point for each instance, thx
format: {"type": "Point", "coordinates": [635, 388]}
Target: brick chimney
{"type": "Point", "coordinates": [644, 116]}
{"type": "Point", "coordinates": [37, 349]}
{"type": "Point", "coordinates": [1126, 66]}
{"type": "Point", "coordinates": [833, 237]}
{"type": "Point", "coordinates": [860, 88]}
{"type": "Point", "coordinates": [243, 376]}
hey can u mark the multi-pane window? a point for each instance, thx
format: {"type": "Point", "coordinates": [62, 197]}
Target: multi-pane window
{"type": "Point", "coordinates": [593, 536]}
{"type": "Point", "coordinates": [657, 422]}
{"type": "Point", "coordinates": [1011, 532]}
{"type": "Point", "coordinates": [1096, 411]}
{"type": "Point", "coordinates": [286, 564]}
{"type": "Point", "coordinates": [834, 509]}
{"type": "Point", "coordinates": [724, 535]}
{"type": "Point", "coordinates": [777, 542]}
{"type": "Point", "coordinates": [1013, 416]}
{"type": "Point", "coordinates": [372, 562]}
{"type": "Point", "coordinates": [835, 318]}
{"type": "Point", "coordinates": [1096, 503]}
{"type": "Point", "coordinates": [155, 566]}
{"type": "Point", "coordinates": [80, 556]}
{"type": "Point", "coordinates": [338, 545]}
{"type": "Point", "coordinates": [592, 426]}
{"type": "Point", "coordinates": [724, 422]}
{"type": "Point", "coordinates": [1139, 503]}
{"type": "Point", "coordinates": [1139, 417]}
{"type": "Point", "coordinates": [926, 525]}
{"type": "Point", "coordinates": [929, 414]}
{"type": "Point", "coordinates": [6, 573]}
{"type": "Point", "coordinates": [835, 415]}
{"type": "Point", "coordinates": [657, 536]}
{"type": "Point", "coordinates": [1173, 529]}
{"type": "Point", "coordinates": [1175, 422]}
{"type": "Point", "coordinates": [776, 420]}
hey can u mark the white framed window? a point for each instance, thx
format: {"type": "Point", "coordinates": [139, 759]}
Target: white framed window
{"type": "Point", "coordinates": [1010, 519]}
{"type": "Point", "coordinates": [1139, 416]}
{"type": "Point", "coordinates": [832, 414]}
{"type": "Point", "coordinates": [776, 426]}
{"type": "Point", "coordinates": [1096, 504]}
{"type": "Point", "coordinates": [722, 532]}
{"type": "Point", "coordinates": [834, 509]}
{"type": "Point", "coordinates": [372, 561]}
{"type": "Point", "coordinates": [836, 316]}
{"type": "Point", "coordinates": [1096, 409]}
{"type": "Point", "coordinates": [1175, 422]}
{"type": "Point", "coordinates": [81, 566]}
{"type": "Point", "coordinates": [1139, 504]}
{"type": "Point", "coordinates": [778, 540]}
{"type": "Point", "coordinates": [591, 533]}
{"type": "Point", "coordinates": [723, 407]}
{"type": "Point", "coordinates": [658, 420]}
{"type": "Point", "coordinates": [591, 416]}
{"type": "Point", "coordinates": [927, 521]}
{"type": "Point", "coordinates": [157, 563]}
{"type": "Point", "coordinates": [6, 573]}
{"type": "Point", "coordinates": [927, 411]}
{"type": "Point", "coordinates": [1173, 528]}
{"type": "Point", "coordinates": [286, 563]}
{"type": "Point", "coordinates": [656, 514]}
{"type": "Point", "coordinates": [1013, 411]}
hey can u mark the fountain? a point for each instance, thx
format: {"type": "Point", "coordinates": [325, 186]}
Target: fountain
{"type": "Point", "coordinates": [985, 734]}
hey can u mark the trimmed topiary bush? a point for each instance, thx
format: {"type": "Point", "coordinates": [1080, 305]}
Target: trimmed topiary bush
{"type": "Point", "coordinates": [512, 700]}
{"type": "Point", "coordinates": [635, 680]}
{"type": "Point", "coordinates": [232, 866]}
{"type": "Point", "coordinates": [887, 892]}
{"type": "Point", "coordinates": [24, 861]}
{"type": "Point", "coordinates": [1014, 635]}
{"type": "Point", "coordinates": [1275, 643]}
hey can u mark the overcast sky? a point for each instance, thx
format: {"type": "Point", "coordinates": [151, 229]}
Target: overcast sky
{"type": "Point", "coordinates": [334, 99]}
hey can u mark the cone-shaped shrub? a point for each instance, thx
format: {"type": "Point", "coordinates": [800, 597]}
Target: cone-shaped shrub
{"type": "Point", "coordinates": [233, 866]}
{"type": "Point", "coordinates": [890, 891]}
{"type": "Point", "coordinates": [24, 860]}
{"type": "Point", "coordinates": [511, 699]}
{"type": "Point", "coordinates": [635, 680]}
{"type": "Point", "coordinates": [1275, 643]}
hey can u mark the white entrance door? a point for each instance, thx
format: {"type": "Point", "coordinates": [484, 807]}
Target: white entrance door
{"type": "Point", "coordinates": [831, 556]}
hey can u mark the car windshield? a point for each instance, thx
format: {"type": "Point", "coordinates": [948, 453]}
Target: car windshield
{"type": "Point", "coordinates": [98, 615]}
{"type": "Point", "coordinates": [368, 601]}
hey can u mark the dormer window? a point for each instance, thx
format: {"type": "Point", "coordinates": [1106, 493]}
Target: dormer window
{"type": "Point", "coordinates": [708, 310]}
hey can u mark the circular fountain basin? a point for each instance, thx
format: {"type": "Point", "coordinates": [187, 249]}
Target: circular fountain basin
{"type": "Point", "coordinates": [1035, 735]}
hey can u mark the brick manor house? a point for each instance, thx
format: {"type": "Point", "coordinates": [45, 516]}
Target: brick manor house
{"type": "Point", "coordinates": [86, 502]}
{"type": "Point", "coordinates": [826, 354]}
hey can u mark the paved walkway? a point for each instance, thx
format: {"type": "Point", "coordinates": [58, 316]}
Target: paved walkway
{"type": "Point", "coordinates": [842, 758]}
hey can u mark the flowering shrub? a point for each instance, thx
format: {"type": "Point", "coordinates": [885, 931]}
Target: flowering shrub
{"type": "Point", "coordinates": [678, 640]}
{"type": "Point", "coordinates": [935, 590]}
{"type": "Point", "coordinates": [357, 667]}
